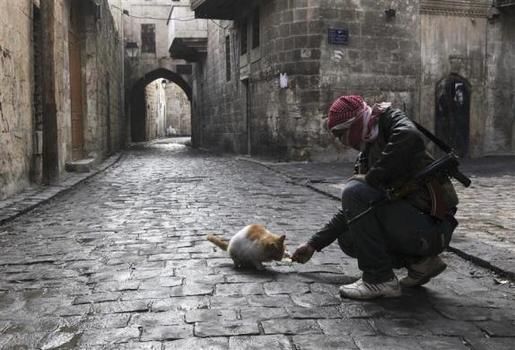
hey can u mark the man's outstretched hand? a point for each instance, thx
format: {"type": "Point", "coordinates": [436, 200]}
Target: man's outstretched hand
{"type": "Point", "coordinates": [303, 253]}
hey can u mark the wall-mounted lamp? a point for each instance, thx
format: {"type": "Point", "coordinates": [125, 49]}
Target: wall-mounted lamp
{"type": "Point", "coordinates": [493, 13]}
{"type": "Point", "coordinates": [131, 49]}
{"type": "Point", "coordinates": [390, 13]}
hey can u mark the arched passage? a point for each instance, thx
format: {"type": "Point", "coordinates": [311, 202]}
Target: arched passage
{"type": "Point", "coordinates": [452, 117]}
{"type": "Point", "coordinates": [138, 104]}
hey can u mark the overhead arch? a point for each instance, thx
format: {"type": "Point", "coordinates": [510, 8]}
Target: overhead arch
{"type": "Point", "coordinates": [137, 99]}
{"type": "Point", "coordinates": [164, 74]}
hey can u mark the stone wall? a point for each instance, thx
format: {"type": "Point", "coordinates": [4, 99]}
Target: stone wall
{"type": "Point", "coordinates": [379, 61]}
{"type": "Point", "coordinates": [148, 12]}
{"type": "Point", "coordinates": [398, 51]}
{"type": "Point", "coordinates": [105, 132]}
{"type": "Point", "coordinates": [146, 67]}
{"type": "Point", "coordinates": [499, 121]}
{"type": "Point", "coordinates": [219, 104]}
{"type": "Point", "coordinates": [20, 121]}
{"type": "Point", "coordinates": [178, 111]}
{"type": "Point", "coordinates": [15, 95]}
{"type": "Point", "coordinates": [454, 42]}
{"type": "Point", "coordinates": [155, 109]}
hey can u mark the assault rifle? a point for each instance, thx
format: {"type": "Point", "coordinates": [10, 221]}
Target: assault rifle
{"type": "Point", "coordinates": [448, 165]}
{"type": "Point", "coordinates": [445, 166]}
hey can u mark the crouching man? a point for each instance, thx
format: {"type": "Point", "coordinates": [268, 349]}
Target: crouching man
{"type": "Point", "coordinates": [409, 231]}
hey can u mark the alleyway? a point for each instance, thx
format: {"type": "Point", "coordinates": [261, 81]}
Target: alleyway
{"type": "Point", "coordinates": [121, 262]}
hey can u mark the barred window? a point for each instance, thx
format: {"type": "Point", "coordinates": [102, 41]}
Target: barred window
{"type": "Point", "coordinates": [243, 37]}
{"type": "Point", "coordinates": [255, 29]}
{"type": "Point", "coordinates": [148, 38]}
{"type": "Point", "coordinates": [228, 58]}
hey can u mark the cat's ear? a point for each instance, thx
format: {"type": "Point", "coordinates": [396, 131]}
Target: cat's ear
{"type": "Point", "coordinates": [281, 239]}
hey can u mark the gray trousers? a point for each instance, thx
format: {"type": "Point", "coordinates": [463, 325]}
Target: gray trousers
{"type": "Point", "coordinates": [393, 235]}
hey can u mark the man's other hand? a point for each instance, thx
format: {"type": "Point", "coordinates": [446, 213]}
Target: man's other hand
{"type": "Point", "coordinates": [303, 253]}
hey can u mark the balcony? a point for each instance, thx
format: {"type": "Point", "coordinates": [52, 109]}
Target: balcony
{"type": "Point", "coordinates": [187, 39]}
{"type": "Point", "coordinates": [220, 9]}
{"type": "Point", "coordinates": [504, 3]}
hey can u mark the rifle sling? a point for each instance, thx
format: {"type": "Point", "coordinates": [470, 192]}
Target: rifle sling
{"type": "Point", "coordinates": [433, 138]}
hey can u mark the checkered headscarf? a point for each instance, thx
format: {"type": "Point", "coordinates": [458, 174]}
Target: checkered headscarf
{"type": "Point", "coordinates": [344, 111]}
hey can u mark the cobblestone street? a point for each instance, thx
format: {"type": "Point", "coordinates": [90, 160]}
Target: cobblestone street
{"type": "Point", "coordinates": [121, 262]}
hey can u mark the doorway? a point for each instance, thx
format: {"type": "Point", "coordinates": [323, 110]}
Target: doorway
{"type": "Point", "coordinates": [37, 168]}
{"type": "Point", "coordinates": [76, 86]}
{"type": "Point", "coordinates": [246, 113]}
{"type": "Point", "coordinates": [452, 119]}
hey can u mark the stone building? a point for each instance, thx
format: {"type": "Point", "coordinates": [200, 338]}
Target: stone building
{"type": "Point", "coordinates": [272, 68]}
{"type": "Point", "coordinates": [146, 31]}
{"type": "Point", "coordinates": [61, 90]}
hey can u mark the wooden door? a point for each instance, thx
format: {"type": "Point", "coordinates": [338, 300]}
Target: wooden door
{"type": "Point", "coordinates": [453, 113]}
{"type": "Point", "coordinates": [76, 96]}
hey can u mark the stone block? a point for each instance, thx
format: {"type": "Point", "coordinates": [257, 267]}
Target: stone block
{"type": "Point", "coordinates": [210, 315]}
{"type": "Point", "coordinates": [490, 343]}
{"type": "Point", "coordinates": [269, 301]}
{"type": "Point", "coordinates": [157, 319]}
{"type": "Point", "coordinates": [279, 342]}
{"type": "Point", "coordinates": [120, 307]}
{"type": "Point", "coordinates": [109, 336]}
{"type": "Point", "coordinates": [97, 298]}
{"type": "Point", "coordinates": [504, 328]}
{"type": "Point", "coordinates": [180, 303]}
{"type": "Point", "coordinates": [388, 343]}
{"type": "Point", "coordinates": [324, 312]}
{"type": "Point", "coordinates": [191, 289]}
{"type": "Point", "coordinates": [289, 326]}
{"type": "Point", "coordinates": [262, 313]}
{"type": "Point", "coordinates": [315, 300]}
{"type": "Point", "coordinates": [350, 327]}
{"type": "Point", "coordinates": [239, 289]}
{"type": "Point", "coordinates": [218, 343]}
{"type": "Point", "coordinates": [226, 328]}
{"type": "Point", "coordinates": [317, 342]}
{"type": "Point", "coordinates": [164, 333]}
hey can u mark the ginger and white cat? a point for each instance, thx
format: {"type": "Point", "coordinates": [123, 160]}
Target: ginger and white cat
{"type": "Point", "coordinates": [252, 246]}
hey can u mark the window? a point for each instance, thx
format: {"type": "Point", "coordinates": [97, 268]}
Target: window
{"type": "Point", "coordinates": [148, 38]}
{"type": "Point", "coordinates": [243, 39]}
{"type": "Point", "coordinates": [228, 58]}
{"type": "Point", "coordinates": [255, 29]}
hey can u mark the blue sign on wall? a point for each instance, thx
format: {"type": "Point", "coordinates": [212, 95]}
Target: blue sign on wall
{"type": "Point", "coordinates": [338, 36]}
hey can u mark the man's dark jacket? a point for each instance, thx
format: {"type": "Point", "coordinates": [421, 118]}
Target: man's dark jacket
{"type": "Point", "coordinates": [388, 162]}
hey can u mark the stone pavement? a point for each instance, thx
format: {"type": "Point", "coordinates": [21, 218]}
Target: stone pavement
{"type": "Point", "coordinates": [121, 262]}
{"type": "Point", "coordinates": [486, 212]}
{"type": "Point", "coordinates": [36, 195]}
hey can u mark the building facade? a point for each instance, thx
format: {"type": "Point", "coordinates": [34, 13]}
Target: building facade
{"type": "Point", "coordinates": [272, 68]}
{"type": "Point", "coordinates": [61, 78]}
{"type": "Point", "coordinates": [146, 29]}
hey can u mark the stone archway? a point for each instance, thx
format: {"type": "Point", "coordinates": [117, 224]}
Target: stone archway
{"type": "Point", "coordinates": [452, 113]}
{"type": "Point", "coordinates": [137, 99]}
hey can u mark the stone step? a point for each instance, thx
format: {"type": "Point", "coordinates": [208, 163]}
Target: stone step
{"type": "Point", "coordinates": [80, 166]}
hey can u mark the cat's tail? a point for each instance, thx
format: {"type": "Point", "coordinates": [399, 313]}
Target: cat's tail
{"type": "Point", "coordinates": [220, 243]}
